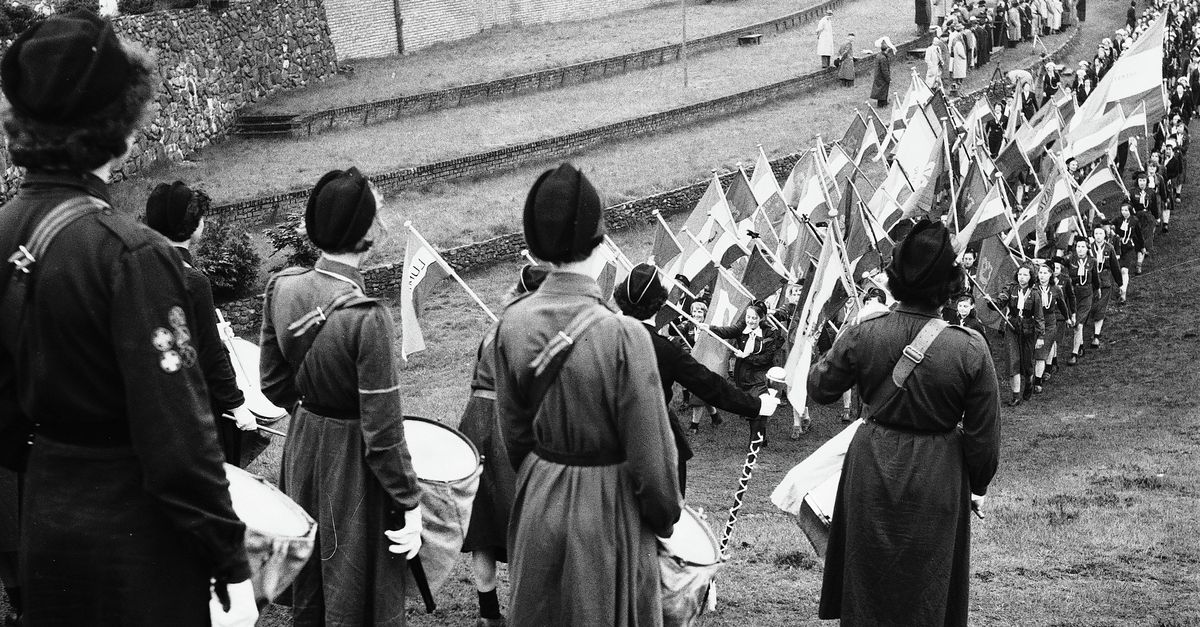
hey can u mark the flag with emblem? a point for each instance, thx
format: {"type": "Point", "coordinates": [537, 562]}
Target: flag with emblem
{"type": "Point", "coordinates": [992, 218]}
{"type": "Point", "coordinates": [424, 268]}
{"type": "Point", "coordinates": [725, 308]}
{"type": "Point", "coordinates": [996, 267]}
{"type": "Point", "coordinates": [740, 196]}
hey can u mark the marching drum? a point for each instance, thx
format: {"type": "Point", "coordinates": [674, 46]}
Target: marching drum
{"type": "Point", "coordinates": [809, 490]}
{"type": "Point", "coordinates": [688, 561]}
{"type": "Point", "coordinates": [280, 535]}
{"type": "Point", "coordinates": [245, 356]}
{"type": "Point", "coordinates": [448, 468]}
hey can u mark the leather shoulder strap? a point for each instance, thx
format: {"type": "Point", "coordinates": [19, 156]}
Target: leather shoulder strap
{"type": "Point", "coordinates": [914, 353]}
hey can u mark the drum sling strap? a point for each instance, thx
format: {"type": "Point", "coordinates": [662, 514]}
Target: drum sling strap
{"type": "Point", "coordinates": [316, 319]}
{"type": "Point", "coordinates": [910, 358]}
{"type": "Point", "coordinates": [16, 432]}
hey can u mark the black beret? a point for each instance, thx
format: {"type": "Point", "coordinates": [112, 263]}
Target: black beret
{"type": "Point", "coordinates": [925, 257]}
{"type": "Point", "coordinates": [340, 210]}
{"type": "Point", "coordinates": [563, 215]}
{"type": "Point", "coordinates": [170, 210]}
{"type": "Point", "coordinates": [65, 69]}
{"type": "Point", "coordinates": [531, 278]}
{"type": "Point", "coordinates": [642, 285]}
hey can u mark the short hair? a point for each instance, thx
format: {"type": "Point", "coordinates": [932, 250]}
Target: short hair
{"type": "Point", "coordinates": [648, 306]}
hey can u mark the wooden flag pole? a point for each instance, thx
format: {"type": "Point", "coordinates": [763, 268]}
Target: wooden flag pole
{"type": "Point", "coordinates": [667, 228]}
{"type": "Point", "coordinates": [729, 276]}
{"type": "Point", "coordinates": [408, 224]}
{"type": "Point", "coordinates": [528, 257]}
{"type": "Point", "coordinates": [701, 325]}
{"type": "Point", "coordinates": [619, 255]}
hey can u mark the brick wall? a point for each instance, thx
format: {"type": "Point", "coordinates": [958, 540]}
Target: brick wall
{"type": "Point", "coordinates": [427, 22]}
{"type": "Point", "coordinates": [212, 64]}
{"type": "Point", "coordinates": [362, 28]}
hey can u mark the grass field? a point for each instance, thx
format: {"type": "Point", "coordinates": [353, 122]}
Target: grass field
{"type": "Point", "coordinates": [508, 51]}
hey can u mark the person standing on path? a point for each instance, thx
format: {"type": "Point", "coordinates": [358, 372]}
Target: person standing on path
{"type": "Point", "coordinates": [586, 427]}
{"type": "Point", "coordinates": [825, 38]}
{"type": "Point", "coordinates": [881, 86]}
{"type": "Point", "coordinates": [126, 517]}
{"type": "Point", "coordinates": [845, 62]}
{"type": "Point", "coordinates": [899, 543]}
{"type": "Point", "coordinates": [327, 352]}
{"type": "Point", "coordinates": [921, 11]}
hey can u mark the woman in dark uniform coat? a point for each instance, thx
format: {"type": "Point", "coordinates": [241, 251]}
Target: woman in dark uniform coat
{"type": "Point", "coordinates": [882, 84]}
{"type": "Point", "coordinates": [1055, 312]}
{"type": "Point", "coordinates": [126, 513]}
{"type": "Point", "coordinates": [1085, 280]}
{"type": "Point", "coordinates": [1025, 331]}
{"type": "Point", "coordinates": [178, 213]}
{"type": "Point", "coordinates": [640, 296]}
{"type": "Point", "coordinates": [899, 545]}
{"type": "Point", "coordinates": [487, 533]}
{"type": "Point", "coordinates": [1129, 242]}
{"type": "Point", "coordinates": [758, 344]}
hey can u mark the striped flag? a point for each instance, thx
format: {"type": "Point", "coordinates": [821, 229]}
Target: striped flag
{"type": "Point", "coordinates": [1090, 140]}
{"type": "Point", "coordinates": [424, 268]}
{"type": "Point", "coordinates": [992, 218]}
{"type": "Point", "coordinates": [1135, 77]}
{"type": "Point", "coordinates": [762, 181]}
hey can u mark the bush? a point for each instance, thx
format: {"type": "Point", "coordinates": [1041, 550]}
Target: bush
{"type": "Point", "coordinates": [289, 235]}
{"type": "Point", "coordinates": [21, 17]}
{"type": "Point", "coordinates": [134, 7]}
{"type": "Point", "coordinates": [227, 257]}
{"type": "Point", "coordinates": [67, 6]}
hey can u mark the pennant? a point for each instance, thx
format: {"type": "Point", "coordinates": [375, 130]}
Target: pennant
{"type": "Point", "coordinates": [1104, 189]}
{"type": "Point", "coordinates": [725, 308]}
{"type": "Point", "coordinates": [424, 268]}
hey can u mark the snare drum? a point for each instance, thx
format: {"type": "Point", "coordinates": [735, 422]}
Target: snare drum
{"type": "Point", "coordinates": [448, 468]}
{"type": "Point", "coordinates": [280, 535]}
{"type": "Point", "coordinates": [245, 357]}
{"type": "Point", "coordinates": [688, 561]}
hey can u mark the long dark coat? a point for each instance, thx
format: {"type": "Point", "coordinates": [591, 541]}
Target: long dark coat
{"type": "Point", "coordinates": [899, 544]}
{"type": "Point", "coordinates": [346, 461]}
{"type": "Point", "coordinates": [881, 86]}
{"type": "Point", "coordinates": [846, 70]}
{"type": "Point", "coordinates": [581, 536]}
{"type": "Point", "coordinates": [921, 12]}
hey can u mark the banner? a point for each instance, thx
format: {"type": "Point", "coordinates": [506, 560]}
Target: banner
{"type": "Point", "coordinates": [423, 269]}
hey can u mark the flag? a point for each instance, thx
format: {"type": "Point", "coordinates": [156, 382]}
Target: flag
{"type": "Point", "coordinates": [990, 219]}
{"type": "Point", "coordinates": [1135, 123]}
{"type": "Point", "coordinates": [762, 181]}
{"type": "Point", "coordinates": [666, 250]}
{"type": "Point", "coordinates": [840, 166]}
{"type": "Point", "coordinates": [609, 274]}
{"type": "Point", "coordinates": [867, 243]}
{"type": "Point", "coordinates": [713, 202]}
{"type": "Point", "coordinates": [740, 197]}
{"type": "Point", "coordinates": [423, 269]}
{"type": "Point", "coordinates": [1136, 76]}
{"type": "Point", "coordinates": [767, 234]}
{"type": "Point", "coordinates": [805, 189]}
{"type": "Point", "coordinates": [1011, 160]}
{"type": "Point", "coordinates": [859, 139]}
{"type": "Point", "coordinates": [971, 192]}
{"type": "Point", "coordinates": [977, 120]}
{"type": "Point", "coordinates": [914, 148]}
{"type": "Point", "coordinates": [760, 276]}
{"type": "Point", "coordinates": [1044, 127]}
{"type": "Point", "coordinates": [1065, 102]}
{"type": "Point", "coordinates": [924, 182]}
{"type": "Point", "coordinates": [1104, 188]}
{"type": "Point", "coordinates": [725, 308]}
{"type": "Point", "coordinates": [886, 205]}
{"type": "Point", "coordinates": [1014, 112]}
{"type": "Point", "coordinates": [996, 267]}
{"type": "Point", "coordinates": [820, 284]}
{"type": "Point", "coordinates": [1090, 140]}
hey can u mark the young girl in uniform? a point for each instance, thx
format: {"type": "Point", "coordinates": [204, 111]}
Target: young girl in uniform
{"type": "Point", "coordinates": [1053, 310]}
{"type": "Point", "coordinates": [1084, 281]}
{"type": "Point", "coordinates": [1023, 333]}
{"type": "Point", "coordinates": [759, 343]}
{"type": "Point", "coordinates": [1130, 244]}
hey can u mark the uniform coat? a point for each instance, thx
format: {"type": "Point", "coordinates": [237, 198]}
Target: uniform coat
{"type": "Point", "coordinates": [1026, 325]}
{"type": "Point", "coordinates": [825, 37]}
{"type": "Point", "coordinates": [1084, 283]}
{"type": "Point", "coordinates": [958, 57]}
{"type": "Point", "coordinates": [488, 529]}
{"type": "Point", "coordinates": [126, 509]}
{"type": "Point", "coordinates": [1013, 21]}
{"type": "Point", "coordinates": [933, 66]}
{"type": "Point", "coordinates": [881, 85]}
{"type": "Point", "coordinates": [1108, 274]}
{"type": "Point", "coordinates": [846, 70]}
{"type": "Point", "coordinates": [581, 536]}
{"type": "Point", "coordinates": [345, 461]}
{"type": "Point", "coordinates": [899, 544]}
{"type": "Point", "coordinates": [1054, 311]}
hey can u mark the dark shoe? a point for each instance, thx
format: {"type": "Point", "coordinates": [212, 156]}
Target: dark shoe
{"type": "Point", "coordinates": [1095, 342]}
{"type": "Point", "coordinates": [846, 416]}
{"type": "Point", "coordinates": [1138, 271]}
{"type": "Point", "coordinates": [1027, 393]}
{"type": "Point", "coordinates": [716, 419]}
{"type": "Point", "coordinates": [694, 429]}
{"type": "Point", "coordinates": [1166, 228]}
{"type": "Point", "coordinates": [1037, 385]}
{"type": "Point", "coordinates": [1073, 359]}
{"type": "Point", "coordinates": [1015, 400]}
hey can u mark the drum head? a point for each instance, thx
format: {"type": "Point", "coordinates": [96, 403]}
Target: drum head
{"type": "Point", "coordinates": [439, 452]}
{"type": "Point", "coordinates": [264, 508]}
{"type": "Point", "coordinates": [693, 541]}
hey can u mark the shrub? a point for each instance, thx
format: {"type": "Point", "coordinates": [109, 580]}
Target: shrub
{"type": "Point", "coordinates": [67, 6]}
{"type": "Point", "coordinates": [227, 257]}
{"type": "Point", "coordinates": [289, 235]}
{"type": "Point", "coordinates": [134, 7]}
{"type": "Point", "coordinates": [21, 17]}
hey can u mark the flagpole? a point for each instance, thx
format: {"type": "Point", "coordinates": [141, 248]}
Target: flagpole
{"type": "Point", "coordinates": [988, 298]}
{"type": "Point", "coordinates": [728, 275]}
{"type": "Point", "coordinates": [409, 225]}
{"type": "Point", "coordinates": [619, 255]}
{"type": "Point", "coordinates": [701, 325]}
{"type": "Point", "coordinates": [667, 228]}
{"type": "Point", "coordinates": [528, 257]}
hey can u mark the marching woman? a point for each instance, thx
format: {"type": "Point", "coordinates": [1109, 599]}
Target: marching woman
{"type": "Point", "coordinates": [640, 296]}
{"type": "Point", "coordinates": [1108, 275]}
{"type": "Point", "coordinates": [899, 543]}
{"type": "Point", "coordinates": [1129, 240]}
{"type": "Point", "coordinates": [1024, 331]}
{"type": "Point", "coordinates": [1054, 310]}
{"type": "Point", "coordinates": [699, 407]}
{"type": "Point", "coordinates": [487, 533]}
{"type": "Point", "coordinates": [1145, 204]}
{"type": "Point", "coordinates": [1084, 282]}
{"type": "Point", "coordinates": [759, 343]}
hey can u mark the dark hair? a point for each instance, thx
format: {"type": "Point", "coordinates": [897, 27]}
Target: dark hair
{"type": "Point", "coordinates": [93, 140]}
{"type": "Point", "coordinates": [759, 307]}
{"type": "Point", "coordinates": [648, 306]}
{"type": "Point", "coordinates": [928, 293]}
{"type": "Point", "coordinates": [876, 293]}
{"type": "Point", "coordinates": [965, 297]}
{"type": "Point", "coordinates": [1033, 280]}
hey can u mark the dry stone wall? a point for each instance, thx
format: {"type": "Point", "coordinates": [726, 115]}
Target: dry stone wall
{"type": "Point", "coordinates": [211, 64]}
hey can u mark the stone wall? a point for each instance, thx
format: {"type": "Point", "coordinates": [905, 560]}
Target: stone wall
{"type": "Point", "coordinates": [363, 28]}
{"type": "Point", "coordinates": [211, 65]}
{"type": "Point", "coordinates": [428, 22]}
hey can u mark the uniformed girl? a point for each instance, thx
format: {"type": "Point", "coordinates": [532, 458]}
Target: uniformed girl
{"type": "Point", "coordinates": [1081, 267]}
{"type": "Point", "coordinates": [759, 343]}
{"type": "Point", "coordinates": [1024, 331]}
{"type": "Point", "coordinates": [1053, 310]}
{"type": "Point", "coordinates": [1129, 243]}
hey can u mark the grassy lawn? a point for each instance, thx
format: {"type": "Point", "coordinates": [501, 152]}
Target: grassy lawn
{"type": "Point", "coordinates": [1092, 516]}
{"type": "Point", "coordinates": [245, 168]}
{"type": "Point", "coordinates": [512, 50]}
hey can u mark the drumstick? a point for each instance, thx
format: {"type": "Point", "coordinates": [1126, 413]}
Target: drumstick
{"type": "Point", "coordinates": [418, 573]}
{"type": "Point", "coordinates": [260, 427]}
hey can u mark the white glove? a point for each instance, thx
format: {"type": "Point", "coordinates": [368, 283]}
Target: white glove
{"type": "Point", "coordinates": [977, 505]}
{"type": "Point", "coordinates": [407, 541]}
{"type": "Point", "coordinates": [245, 419]}
{"type": "Point", "coordinates": [243, 610]}
{"type": "Point", "coordinates": [770, 403]}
